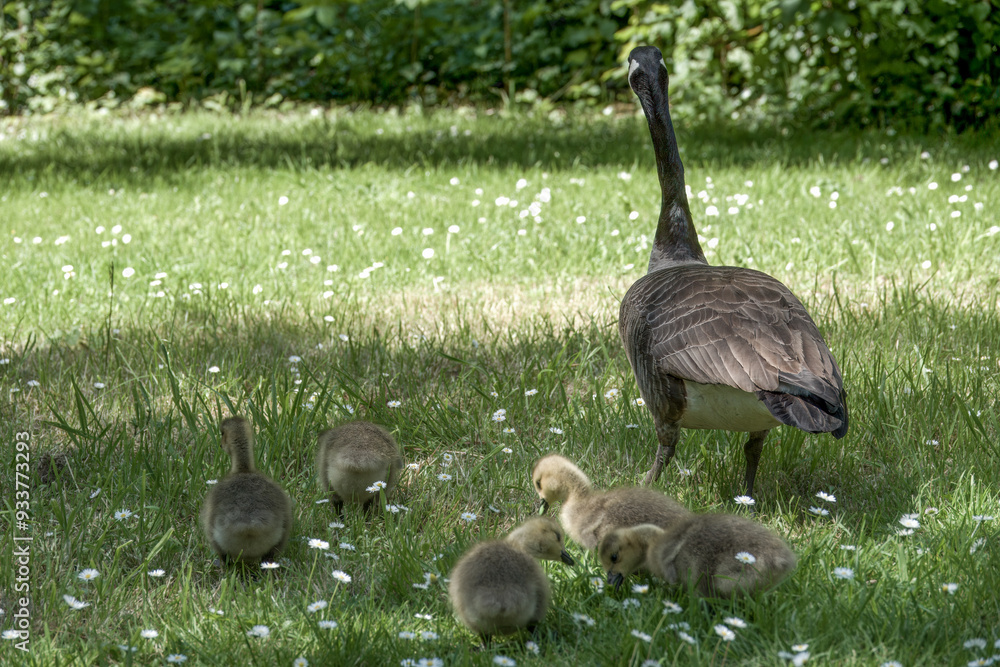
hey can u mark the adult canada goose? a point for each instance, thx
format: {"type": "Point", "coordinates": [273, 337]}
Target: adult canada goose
{"type": "Point", "coordinates": [246, 516]}
{"type": "Point", "coordinates": [352, 458]}
{"type": "Point", "coordinates": [718, 555]}
{"type": "Point", "coordinates": [716, 347]}
{"type": "Point", "coordinates": [497, 587]}
{"type": "Point", "coordinates": [589, 514]}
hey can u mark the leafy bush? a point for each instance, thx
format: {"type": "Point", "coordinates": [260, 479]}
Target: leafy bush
{"type": "Point", "coordinates": [922, 63]}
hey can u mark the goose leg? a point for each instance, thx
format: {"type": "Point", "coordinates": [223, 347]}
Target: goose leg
{"type": "Point", "coordinates": [667, 435]}
{"type": "Point", "coordinates": [752, 450]}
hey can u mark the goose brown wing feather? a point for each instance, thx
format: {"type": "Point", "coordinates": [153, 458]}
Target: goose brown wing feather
{"type": "Point", "coordinates": [734, 326]}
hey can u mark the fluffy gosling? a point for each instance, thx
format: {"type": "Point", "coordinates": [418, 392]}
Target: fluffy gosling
{"type": "Point", "coordinates": [246, 516]}
{"type": "Point", "coordinates": [718, 555]}
{"type": "Point", "coordinates": [589, 514]}
{"type": "Point", "coordinates": [352, 457]}
{"type": "Point", "coordinates": [497, 587]}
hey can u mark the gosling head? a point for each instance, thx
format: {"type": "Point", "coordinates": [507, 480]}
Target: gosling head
{"type": "Point", "coordinates": [554, 478]}
{"type": "Point", "coordinates": [236, 431]}
{"type": "Point", "coordinates": [623, 551]}
{"type": "Point", "coordinates": [542, 538]}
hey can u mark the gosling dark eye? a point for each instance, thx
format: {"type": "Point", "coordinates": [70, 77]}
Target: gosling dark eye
{"type": "Point", "coordinates": [538, 484]}
{"type": "Point", "coordinates": [614, 558]}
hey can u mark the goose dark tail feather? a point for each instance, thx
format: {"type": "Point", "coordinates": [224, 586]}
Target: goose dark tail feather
{"type": "Point", "coordinates": [800, 412]}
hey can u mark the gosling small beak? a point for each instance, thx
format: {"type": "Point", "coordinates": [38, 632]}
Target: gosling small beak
{"type": "Point", "coordinates": [566, 558]}
{"type": "Point", "coordinates": [543, 506]}
{"type": "Point", "coordinates": [616, 579]}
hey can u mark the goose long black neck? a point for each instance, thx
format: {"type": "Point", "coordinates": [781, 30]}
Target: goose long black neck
{"type": "Point", "coordinates": [676, 240]}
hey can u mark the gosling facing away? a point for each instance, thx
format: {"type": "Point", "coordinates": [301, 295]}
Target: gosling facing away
{"type": "Point", "coordinates": [246, 516]}
{"type": "Point", "coordinates": [352, 457]}
{"type": "Point", "coordinates": [589, 514]}
{"type": "Point", "coordinates": [718, 555]}
{"type": "Point", "coordinates": [498, 587]}
{"type": "Point", "coordinates": [716, 347]}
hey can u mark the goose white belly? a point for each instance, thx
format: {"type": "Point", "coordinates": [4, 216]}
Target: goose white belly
{"type": "Point", "coordinates": [719, 406]}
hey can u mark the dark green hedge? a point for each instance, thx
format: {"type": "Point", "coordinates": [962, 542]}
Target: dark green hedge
{"type": "Point", "coordinates": [922, 63]}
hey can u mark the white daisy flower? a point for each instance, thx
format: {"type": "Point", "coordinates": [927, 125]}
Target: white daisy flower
{"type": "Point", "coordinates": [746, 557]}
{"type": "Point", "coordinates": [261, 631]}
{"type": "Point", "coordinates": [724, 632]}
{"type": "Point", "coordinates": [74, 603]}
{"type": "Point", "coordinates": [342, 576]}
{"type": "Point", "coordinates": [843, 573]}
{"type": "Point", "coordinates": [88, 575]}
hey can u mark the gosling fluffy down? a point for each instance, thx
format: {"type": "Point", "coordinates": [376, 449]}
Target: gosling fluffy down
{"type": "Point", "coordinates": [717, 555]}
{"type": "Point", "coordinates": [352, 457]}
{"type": "Point", "coordinates": [247, 516]}
{"type": "Point", "coordinates": [589, 514]}
{"type": "Point", "coordinates": [498, 587]}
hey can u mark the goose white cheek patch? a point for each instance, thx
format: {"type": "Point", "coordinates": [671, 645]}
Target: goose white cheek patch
{"type": "Point", "coordinates": [633, 66]}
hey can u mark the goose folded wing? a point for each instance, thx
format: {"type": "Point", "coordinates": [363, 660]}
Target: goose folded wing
{"type": "Point", "coordinates": [744, 329]}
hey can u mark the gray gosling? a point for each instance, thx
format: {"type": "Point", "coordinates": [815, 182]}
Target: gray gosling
{"type": "Point", "coordinates": [352, 457]}
{"type": "Point", "coordinates": [717, 555]}
{"type": "Point", "coordinates": [497, 587]}
{"type": "Point", "coordinates": [589, 514]}
{"type": "Point", "coordinates": [247, 516]}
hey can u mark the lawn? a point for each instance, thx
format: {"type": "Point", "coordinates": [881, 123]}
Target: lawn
{"type": "Point", "coordinates": [426, 271]}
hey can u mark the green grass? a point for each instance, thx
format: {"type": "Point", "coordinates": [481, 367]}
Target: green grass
{"type": "Point", "coordinates": [457, 336]}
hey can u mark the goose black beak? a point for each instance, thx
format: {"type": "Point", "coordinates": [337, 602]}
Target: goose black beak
{"type": "Point", "coordinates": [543, 506]}
{"type": "Point", "coordinates": [616, 579]}
{"type": "Point", "coordinates": [566, 558]}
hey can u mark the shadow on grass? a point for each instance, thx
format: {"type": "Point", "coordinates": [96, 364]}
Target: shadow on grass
{"type": "Point", "coordinates": [161, 396]}
{"type": "Point", "coordinates": [138, 150]}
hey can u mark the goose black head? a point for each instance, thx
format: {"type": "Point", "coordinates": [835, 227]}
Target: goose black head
{"type": "Point", "coordinates": [646, 71]}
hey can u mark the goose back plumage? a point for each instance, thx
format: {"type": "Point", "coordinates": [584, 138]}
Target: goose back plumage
{"type": "Point", "coordinates": [720, 325]}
